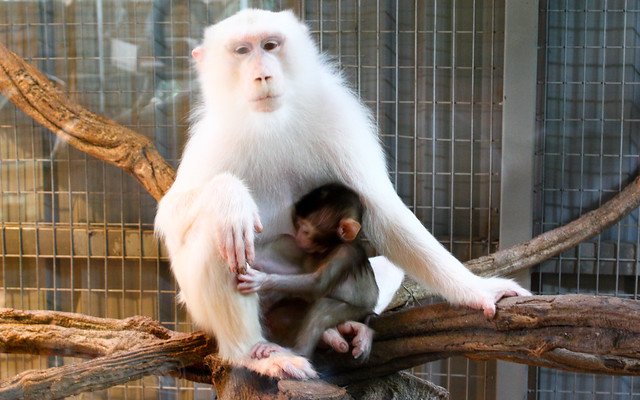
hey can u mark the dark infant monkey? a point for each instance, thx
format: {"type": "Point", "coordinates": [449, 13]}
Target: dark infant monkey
{"type": "Point", "coordinates": [334, 273]}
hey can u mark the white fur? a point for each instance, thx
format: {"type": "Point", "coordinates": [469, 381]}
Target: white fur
{"type": "Point", "coordinates": [238, 161]}
{"type": "Point", "coordinates": [388, 277]}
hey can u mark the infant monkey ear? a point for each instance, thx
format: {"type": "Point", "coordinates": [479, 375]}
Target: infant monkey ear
{"type": "Point", "coordinates": [348, 229]}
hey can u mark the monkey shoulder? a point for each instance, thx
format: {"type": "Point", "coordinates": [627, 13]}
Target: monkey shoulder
{"type": "Point", "coordinates": [354, 251]}
{"type": "Point", "coordinates": [352, 261]}
{"type": "Point", "coordinates": [357, 284]}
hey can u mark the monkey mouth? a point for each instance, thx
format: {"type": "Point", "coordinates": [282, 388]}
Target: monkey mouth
{"type": "Point", "coordinates": [267, 103]}
{"type": "Point", "coordinates": [266, 98]}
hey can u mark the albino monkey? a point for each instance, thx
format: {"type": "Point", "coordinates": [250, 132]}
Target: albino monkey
{"type": "Point", "coordinates": [335, 272]}
{"type": "Point", "coordinates": [276, 121]}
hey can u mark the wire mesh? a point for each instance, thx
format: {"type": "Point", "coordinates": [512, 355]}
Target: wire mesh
{"type": "Point", "coordinates": [77, 233]}
{"type": "Point", "coordinates": [588, 149]}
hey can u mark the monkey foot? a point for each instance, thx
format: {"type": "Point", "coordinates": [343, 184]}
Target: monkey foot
{"type": "Point", "coordinates": [282, 365]}
{"type": "Point", "coordinates": [264, 350]}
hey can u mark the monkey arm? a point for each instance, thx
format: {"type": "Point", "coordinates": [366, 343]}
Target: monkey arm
{"type": "Point", "coordinates": [400, 236]}
{"type": "Point", "coordinates": [314, 285]}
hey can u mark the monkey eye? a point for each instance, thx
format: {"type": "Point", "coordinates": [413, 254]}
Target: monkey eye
{"type": "Point", "coordinates": [242, 49]}
{"type": "Point", "coordinates": [270, 44]}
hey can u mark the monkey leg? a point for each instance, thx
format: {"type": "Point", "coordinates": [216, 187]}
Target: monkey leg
{"type": "Point", "coordinates": [208, 289]}
{"type": "Point", "coordinates": [325, 313]}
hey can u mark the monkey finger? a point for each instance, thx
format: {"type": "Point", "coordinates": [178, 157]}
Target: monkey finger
{"type": "Point", "coordinates": [221, 243]}
{"type": "Point", "coordinates": [335, 340]}
{"type": "Point", "coordinates": [489, 309]}
{"type": "Point", "coordinates": [508, 293]}
{"type": "Point", "coordinates": [239, 250]}
{"type": "Point", "coordinates": [249, 247]}
{"type": "Point", "coordinates": [362, 337]}
{"type": "Point", "coordinates": [258, 351]}
{"type": "Point", "coordinates": [245, 288]}
{"type": "Point", "coordinates": [231, 254]}
{"type": "Point", "coordinates": [257, 224]}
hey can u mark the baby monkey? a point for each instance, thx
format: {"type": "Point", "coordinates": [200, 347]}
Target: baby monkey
{"type": "Point", "coordinates": [327, 266]}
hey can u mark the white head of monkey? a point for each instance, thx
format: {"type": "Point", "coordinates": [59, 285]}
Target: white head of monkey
{"type": "Point", "coordinates": [249, 59]}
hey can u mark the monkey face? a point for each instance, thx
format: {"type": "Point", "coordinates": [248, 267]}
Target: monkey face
{"type": "Point", "coordinates": [245, 60]}
{"type": "Point", "coordinates": [305, 236]}
{"type": "Point", "coordinates": [259, 69]}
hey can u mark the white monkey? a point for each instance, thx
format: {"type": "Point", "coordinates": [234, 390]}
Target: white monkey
{"type": "Point", "coordinates": [276, 121]}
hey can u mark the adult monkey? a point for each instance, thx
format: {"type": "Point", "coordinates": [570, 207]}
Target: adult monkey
{"type": "Point", "coordinates": [276, 121]}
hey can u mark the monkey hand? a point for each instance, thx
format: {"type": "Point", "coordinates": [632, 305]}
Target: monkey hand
{"type": "Point", "coordinates": [252, 281]}
{"type": "Point", "coordinates": [489, 291]}
{"type": "Point", "coordinates": [361, 338]}
{"type": "Point", "coordinates": [235, 220]}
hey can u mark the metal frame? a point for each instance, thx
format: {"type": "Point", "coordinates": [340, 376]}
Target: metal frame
{"type": "Point", "coordinates": [518, 141]}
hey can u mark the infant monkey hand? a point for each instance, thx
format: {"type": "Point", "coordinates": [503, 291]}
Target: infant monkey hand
{"type": "Point", "coordinates": [252, 281]}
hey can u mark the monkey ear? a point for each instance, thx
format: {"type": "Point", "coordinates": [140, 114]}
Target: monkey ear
{"type": "Point", "coordinates": [198, 54]}
{"type": "Point", "coordinates": [348, 229]}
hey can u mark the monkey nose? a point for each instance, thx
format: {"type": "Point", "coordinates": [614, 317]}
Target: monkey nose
{"type": "Point", "coordinates": [263, 79]}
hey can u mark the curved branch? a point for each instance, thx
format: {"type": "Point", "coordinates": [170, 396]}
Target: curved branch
{"type": "Point", "coordinates": [36, 96]}
{"type": "Point", "coordinates": [153, 358]}
{"type": "Point", "coordinates": [542, 247]}
{"type": "Point", "coordinates": [556, 241]}
{"type": "Point", "coordinates": [552, 331]}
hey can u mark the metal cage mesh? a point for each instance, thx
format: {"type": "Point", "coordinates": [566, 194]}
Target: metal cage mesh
{"type": "Point", "coordinates": [588, 149]}
{"type": "Point", "coordinates": [77, 234]}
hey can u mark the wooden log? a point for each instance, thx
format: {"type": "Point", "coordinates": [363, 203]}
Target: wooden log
{"type": "Point", "coordinates": [551, 331]}
{"type": "Point", "coordinates": [153, 358]}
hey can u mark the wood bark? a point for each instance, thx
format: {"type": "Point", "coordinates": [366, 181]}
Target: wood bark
{"type": "Point", "coordinates": [549, 331]}
{"type": "Point", "coordinates": [581, 333]}
{"type": "Point", "coordinates": [36, 96]}
{"type": "Point", "coordinates": [539, 330]}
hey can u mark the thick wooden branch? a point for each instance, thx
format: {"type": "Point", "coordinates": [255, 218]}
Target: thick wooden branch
{"type": "Point", "coordinates": [552, 331]}
{"type": "Point", "coordinates": [579, 333]}
{"type": "Point", "coordinates": [150, 358]}
{"type": "Point", "coordinates": [36, 96]}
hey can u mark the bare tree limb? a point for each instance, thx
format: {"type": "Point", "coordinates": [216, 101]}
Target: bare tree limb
{"type": "Point", "coordinates": [153, 358]}
{"type": "Point", "coordinates": [580, 333]}
{"type": "Point", "coordinates": [36, 96]}
{"type": "Point", "coordinates": [541, 247]}
{"type": "Point", "coordinates": [552, 331]}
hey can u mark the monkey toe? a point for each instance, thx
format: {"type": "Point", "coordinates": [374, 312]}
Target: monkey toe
{"type": "Point", "coordinates": [281, 365]}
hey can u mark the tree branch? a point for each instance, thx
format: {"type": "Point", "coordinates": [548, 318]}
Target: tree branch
{"type": "Point", "coordinates": [153, 357]}
{"type": "Point", "coordinates": [551, 331]}
{"type": "Point", "coordinates": [36, 96]}
{"type": "Point", "coordinates": [541, 247]}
